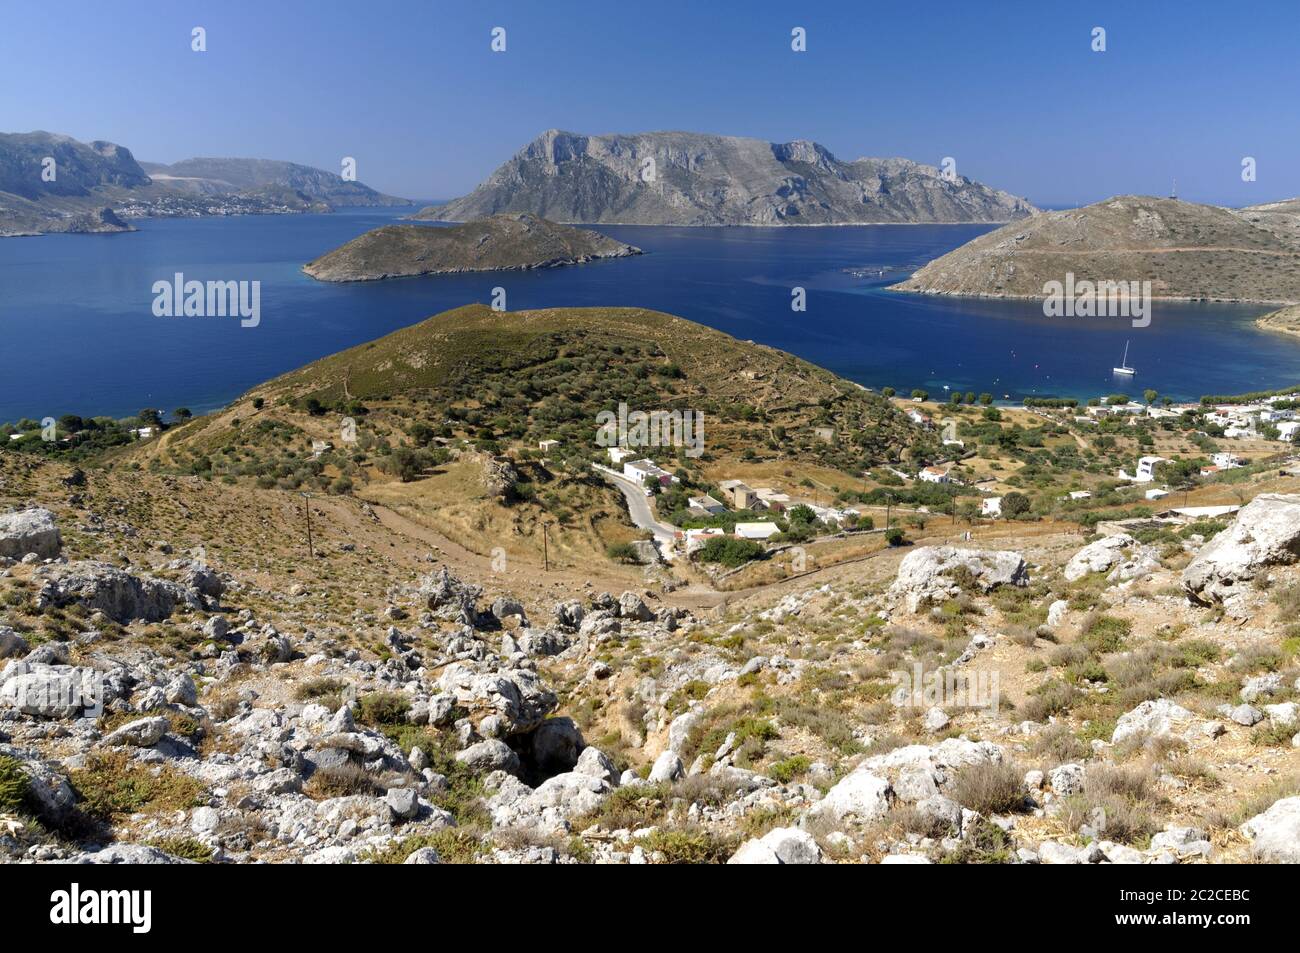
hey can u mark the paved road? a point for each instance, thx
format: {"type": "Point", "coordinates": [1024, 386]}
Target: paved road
{"type": "Point", "coordinates": [638, 505]}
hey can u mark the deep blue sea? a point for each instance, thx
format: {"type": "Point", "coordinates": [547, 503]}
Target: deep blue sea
{"type": "Point", "coordinates": [78, 333]}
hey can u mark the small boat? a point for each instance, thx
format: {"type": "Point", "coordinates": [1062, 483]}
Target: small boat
{"type": "Point", "coordinates": [1124, 368]}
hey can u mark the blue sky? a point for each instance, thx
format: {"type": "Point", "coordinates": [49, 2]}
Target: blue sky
{"type": "Point", "coordinates": [412, 90]}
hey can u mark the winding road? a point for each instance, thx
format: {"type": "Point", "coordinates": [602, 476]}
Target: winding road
{"type": "Point", "coordinates": [638, 506]}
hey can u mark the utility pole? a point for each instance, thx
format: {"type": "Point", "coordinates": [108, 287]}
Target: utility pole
{"type": "Point", "coordinates": [546, 553]}
{"type": "Point", "coordinates": [311, 550]}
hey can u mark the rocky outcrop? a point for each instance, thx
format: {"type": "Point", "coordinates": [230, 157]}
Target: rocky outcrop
{"type": "Point", "coordinates": [115, 592]}
{"type": "Point", "coordinates": [1275, 834]}
{"type": "Point", "coordinates": [684, 178]}
{"type": "Point", "coordinates": [937, 573]}
{"type": "Point", "coordinates": [500, 477]}
{"type": "Point", "coordinates": [1120, 556]}
{"type": "Point", "coordinates": [1151, 719]}
{"type": "Point", "coordinates": [1265, 533]}
{"type": "Point", "coordinates": [29, 532]}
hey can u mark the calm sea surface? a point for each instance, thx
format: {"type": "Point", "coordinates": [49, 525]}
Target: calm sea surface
{"type": "Point", "coordinates": [78, 334]}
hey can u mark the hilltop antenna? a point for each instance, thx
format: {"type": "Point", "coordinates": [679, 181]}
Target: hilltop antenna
{"type": "Point", "coordinates": [1173, 192]}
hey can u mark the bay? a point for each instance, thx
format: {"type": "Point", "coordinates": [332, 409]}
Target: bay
{"type": "Point", "coordinates": [78, 333]}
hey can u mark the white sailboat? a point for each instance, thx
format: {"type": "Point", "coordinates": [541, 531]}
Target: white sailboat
{"type": "Point", "coordinates": [1124, 368]}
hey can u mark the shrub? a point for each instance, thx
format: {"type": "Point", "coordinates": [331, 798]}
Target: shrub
{"type": "Point", "coordinates": [1105, 633]}
{"type": "Point", "coordinates": [690, 846]}
{"type": "Point", "coordinates": [789, 769]}
{"type": "Point", "coordinates": [186, 848]}
{"type": "Point", "coordinates": [13, 785]}
{"type": "Point", "coordinates": [454, 846]}
{"type": "Point", "coordinates": [729, 552]}
{"type": "Point", "coordinates": [383, 708]}
{"type": "Point", "coordinates": [111, 785]}
{"type": "Point", "coordinates": [622, 553]}
{"type": "Point", "coordinates": [992, 788]}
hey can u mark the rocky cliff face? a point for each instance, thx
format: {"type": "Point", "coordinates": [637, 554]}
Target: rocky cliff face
{"type": "Point", "coordinates": [682, 178]}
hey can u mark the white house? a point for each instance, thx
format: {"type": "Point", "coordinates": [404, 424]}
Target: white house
{"type": "Point", "coordinates": [642, 470]}
{"type": "Point", "coordinates": [320, 447]}
{"type": "Point", "coordinates": [1227, 461]}
{"type": "Point", "coordinates": [1287, 430]}
{"type": "Point", "coordinates": [991, 506]}
{"type": "Point", "coordinates": [706, 503]}
{"type": "Point", "coordinates": [1156, 494]}
{"type": "Point", "coordinates": [1080, 495]}
{"type": "Point", "coordinates": [934, 475]}
{"type": "Point", "coordinates": [1146, 470]}
{"type": "Point", "coordinates": [144, 433]}
{"type": "Point", "coordinates": [917, 417]}
{"type": "Point", "coordinates": [618, 454]}
{"type": "Point", "coordinates": [546, 446]}
{"type": "Point", "coordinates": [696, 538]}
{"type": "Point", "coordinates": [756, 531]}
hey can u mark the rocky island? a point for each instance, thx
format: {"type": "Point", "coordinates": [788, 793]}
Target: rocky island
{"type": "Point", "coordinates": [1186, 251]}
{"type": "Point", "coordinates": [686, 178]}
{"type": "Point", "coordinates": [54, 183]}
{"type": "Point", "coordinates": [497, 243]}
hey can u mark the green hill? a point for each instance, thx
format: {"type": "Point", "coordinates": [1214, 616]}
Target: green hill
{"type": "Point", "coordinates": [510, 379]}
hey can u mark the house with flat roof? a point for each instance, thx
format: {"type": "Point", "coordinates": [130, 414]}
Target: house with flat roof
{"type": "Point", "coordinates": [705, 504]}
{"type": "Point", "coordinates": [643, 470]}
{"type": "Point", "coordinates": [756, 531]}
{"type": "Point", "coordinates": [770, 498]}
{"type": "Point", "coordinates": [934, 475]}
{"type": "Point", "coordinates": [546, 446]}
{"type": "Point", "coordinates": [738, 493]}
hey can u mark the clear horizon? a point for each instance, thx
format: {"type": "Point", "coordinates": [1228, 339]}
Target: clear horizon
{"type": "Point", "coordinates": [1014, 93]}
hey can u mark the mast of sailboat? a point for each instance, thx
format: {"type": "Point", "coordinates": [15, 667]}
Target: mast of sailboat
{"type": "Point", "coordinates": [1124, 363]}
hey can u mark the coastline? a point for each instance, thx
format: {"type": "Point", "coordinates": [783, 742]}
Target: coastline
{"type": "Point", "coordinates": [1282, 321]}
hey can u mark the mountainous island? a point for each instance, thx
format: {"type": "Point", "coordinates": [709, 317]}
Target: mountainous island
{"type": "Point", "coordinates": [1186, 250]}
{"type": "Point", "coordinates": [496, 243]}
{"type": "Point", "coordinates": [684, 178]}
{"type": "Point", "coordinates": [54, 183]}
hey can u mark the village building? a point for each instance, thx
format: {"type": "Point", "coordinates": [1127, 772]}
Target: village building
{"type": "Point", "coordinates": [706, 504]}
{"type": "Point", "coordinates": [692, 540]}
{"type": "Point", "coordinates": [934, 475]}
{"type": "Point", "coordinates": [739, 494]}
{"type": "Point", "coordinates": [643, 470]}
{"type": "Point", "coordinates": [1146, 470]}
{"type": "Point", "coordinates": [774, 501]}
{"type": "Point", "coordinates": [756, 531]}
